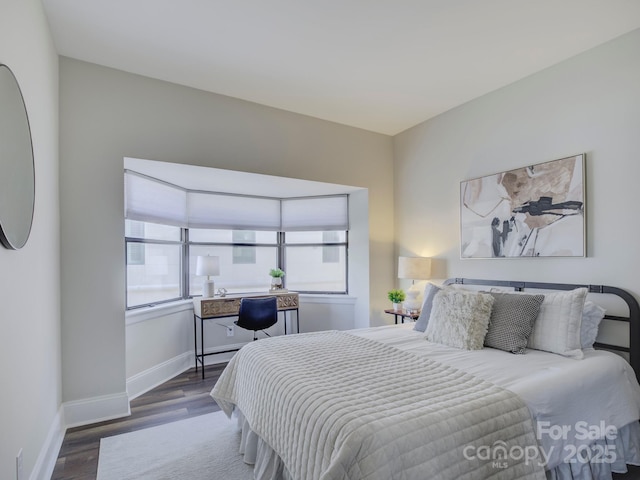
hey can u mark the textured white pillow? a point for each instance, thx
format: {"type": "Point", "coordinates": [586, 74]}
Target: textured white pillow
{"type": "Point", "coordinates": [459, 318]}
{"type": "Point", "coordinates": [592, 315]}
{"type": "Point", "coordinates": [557, 328]}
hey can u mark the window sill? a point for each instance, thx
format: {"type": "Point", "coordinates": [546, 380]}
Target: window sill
{"type": "Point", "coordinates": [149, 313]}
{"type": "Point", "coordinates": [336, 299]}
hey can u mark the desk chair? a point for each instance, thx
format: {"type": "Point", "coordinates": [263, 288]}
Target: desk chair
{"type": "Point", "coordinates": [257, 314]}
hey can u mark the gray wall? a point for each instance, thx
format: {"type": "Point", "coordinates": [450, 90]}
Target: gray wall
{"type": "Point", "coordinates": [29, 278]}
{"type": "Point", "coordinates": [106, 115]}
{"type": "Point", "coordinates": [588, 104]}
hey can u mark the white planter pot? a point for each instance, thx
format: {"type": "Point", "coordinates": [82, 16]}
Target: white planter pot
{"type": "Point", "coordinates": [276, 283]}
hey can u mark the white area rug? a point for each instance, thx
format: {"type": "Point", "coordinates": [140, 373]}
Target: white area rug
{"type": "Point", "coordinates": [198, 448]}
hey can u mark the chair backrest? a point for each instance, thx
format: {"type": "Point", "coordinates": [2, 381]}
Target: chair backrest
{"type": "Point", "coordinates": [258, 313]}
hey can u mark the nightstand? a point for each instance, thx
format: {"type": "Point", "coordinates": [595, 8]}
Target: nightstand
{"type": "Point", "coordinates": [402, 315]}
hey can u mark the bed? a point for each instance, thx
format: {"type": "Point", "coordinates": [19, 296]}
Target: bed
{"type": "Point", "coordinates": [395, 402]}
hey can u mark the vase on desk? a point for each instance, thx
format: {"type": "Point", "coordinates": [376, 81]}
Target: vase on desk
{"type": "Point", "coordinates": [276, 283]}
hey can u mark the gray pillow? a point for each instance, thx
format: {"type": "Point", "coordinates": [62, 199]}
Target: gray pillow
{"type": "Point", "coordinates": [592, 315]}
{"type": "Point", "coordinates": [511, 322]}
{"type": "Point", "coordinates": [427, 304]}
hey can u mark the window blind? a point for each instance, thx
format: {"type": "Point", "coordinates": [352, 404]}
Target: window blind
{"type": "Point", "coordinates": [151, 200]}
{"type": "Point", "coordinates": [234, 212]}
{"type": "Point", "coordinates": [315, 213]}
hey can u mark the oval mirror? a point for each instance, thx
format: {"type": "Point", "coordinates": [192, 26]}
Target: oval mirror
{"type": "Point", "coordinates": [17, 175]}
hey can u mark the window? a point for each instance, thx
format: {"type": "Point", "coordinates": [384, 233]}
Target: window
{"type": "Point", "coordinates": [330, 253]}
{"type": "Point", "coordinates": [316, 262]}
{"type": "Point", "coordinates": [243, 254]}
{"type": "Point", "coordinates": [154, 255]}
{"type": "Point", "coordinates": [135, 251]}
{"type": "Point", "coordinates": [167, 227]}
{"type": "Point", "coordinates": [243, 268]}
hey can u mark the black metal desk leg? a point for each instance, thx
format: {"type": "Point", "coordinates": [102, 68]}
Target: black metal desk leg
{"type": "Point", "coordinates": [202, 345]}
{"type": "Point", "coordinates": [284, 316]}
{"type": "Point", "coordinates": [195, 340]}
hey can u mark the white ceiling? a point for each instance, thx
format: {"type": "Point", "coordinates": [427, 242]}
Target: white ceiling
{"type": "Point", "coordinates": [381, 65]}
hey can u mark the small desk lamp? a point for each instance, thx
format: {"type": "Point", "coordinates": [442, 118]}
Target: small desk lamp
{"type": "Point", "coordinates": [415, 268]}
{"type": "Point", "coordinates": [207, 265]}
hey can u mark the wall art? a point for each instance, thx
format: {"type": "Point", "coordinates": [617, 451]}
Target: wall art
{"type": "Point", "coordinates": [533, 211]}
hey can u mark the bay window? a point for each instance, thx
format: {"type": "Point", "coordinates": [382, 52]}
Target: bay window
{"type": "Point", "coordinates": [168, 227]}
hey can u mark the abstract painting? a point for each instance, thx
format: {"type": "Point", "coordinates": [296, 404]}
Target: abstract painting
{"type": "Point", "coordinates": [533, 211]}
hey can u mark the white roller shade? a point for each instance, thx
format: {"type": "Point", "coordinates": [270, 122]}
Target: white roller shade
{"type": "Point", "coordinates": [235, 212]}
{"type": "Point", "coordinates": [150, 200]}
{"type": "Point", "coordinates": [315, 213]}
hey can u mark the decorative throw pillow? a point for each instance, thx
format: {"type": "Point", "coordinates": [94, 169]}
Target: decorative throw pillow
{"type": "Point", "coordinates": [511, 322]}
{"type": "Point", "coordinates": [459, 318]}
{"type": "Point", "coordinates": [427, 304]}
{"type": "Point", "coordinates": [592, 315]}
{"type": "Point", "coordinates": [557, 328]}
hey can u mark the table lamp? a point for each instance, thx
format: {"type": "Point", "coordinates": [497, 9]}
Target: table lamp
{"type": "Point", "coordinates": [415, 268]}
{"type": "Point", "coordinates": [208, 265]}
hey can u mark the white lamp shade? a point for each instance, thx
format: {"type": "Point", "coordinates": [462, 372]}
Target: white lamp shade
{"type": "Point", "coordinates": [415, 268]}
{"type": "Point", "coordinates": [207, 265]}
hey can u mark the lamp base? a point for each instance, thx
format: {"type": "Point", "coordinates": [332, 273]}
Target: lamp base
{"type": "Point", "coordinates": [208, 289]}
{"type": "Point", "coordinates": [412, 303]}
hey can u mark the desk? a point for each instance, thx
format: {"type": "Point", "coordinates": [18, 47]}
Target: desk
{"type": "Point", "coordinates": [229, 306]}
{"type": "Point", "coordinates": [402, 314]}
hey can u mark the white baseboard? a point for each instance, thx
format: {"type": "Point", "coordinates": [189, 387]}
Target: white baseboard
{"type": "Point", "coordinates": [46, 461]}
{"type": "Point", "coordinates": [157, 375]}
{"type": "Point", "coordinates": [152, 377]}
{"type": "Point", "coordinates": [96, 409]}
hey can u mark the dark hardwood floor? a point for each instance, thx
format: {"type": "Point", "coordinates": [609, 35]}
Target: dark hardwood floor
{"type": "Point", "coordinates": [184, 396]}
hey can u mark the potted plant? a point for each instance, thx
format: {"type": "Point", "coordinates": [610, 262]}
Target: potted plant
{"type": "Point", "coordinates": [276, 278]}
{"type": "Point", "coordinates": [396, 296]}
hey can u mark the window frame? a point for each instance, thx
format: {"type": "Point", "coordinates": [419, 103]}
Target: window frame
{"type": "Point", "coordinates": [232, 245]}
{"type": "Point", "coordinates": [185, 245]}
{"type": "Point", "coordinates": [138, 241]}
{"type": "Point", "coordinates": [284, 244]}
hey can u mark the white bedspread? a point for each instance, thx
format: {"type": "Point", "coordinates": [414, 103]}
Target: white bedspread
{"type": "Point", "coordinates": [334, 405]}
{"type": "Point", "coordinates": [577, 395]}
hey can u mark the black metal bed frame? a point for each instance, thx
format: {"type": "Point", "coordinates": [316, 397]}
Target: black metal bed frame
{"type": "Point", "coordinates": [634, 309]}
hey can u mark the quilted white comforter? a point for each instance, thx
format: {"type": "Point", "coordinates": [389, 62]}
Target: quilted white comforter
{"type": "Point", "coordinates": [337, 406]}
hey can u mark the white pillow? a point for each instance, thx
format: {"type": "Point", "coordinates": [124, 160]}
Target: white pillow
{"type": "Point", "coordinates": [592, 315]}
{"type": "Point", "coordinates": [557, 328]}
{"type": "Point", "coordinates": [459, 318]}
